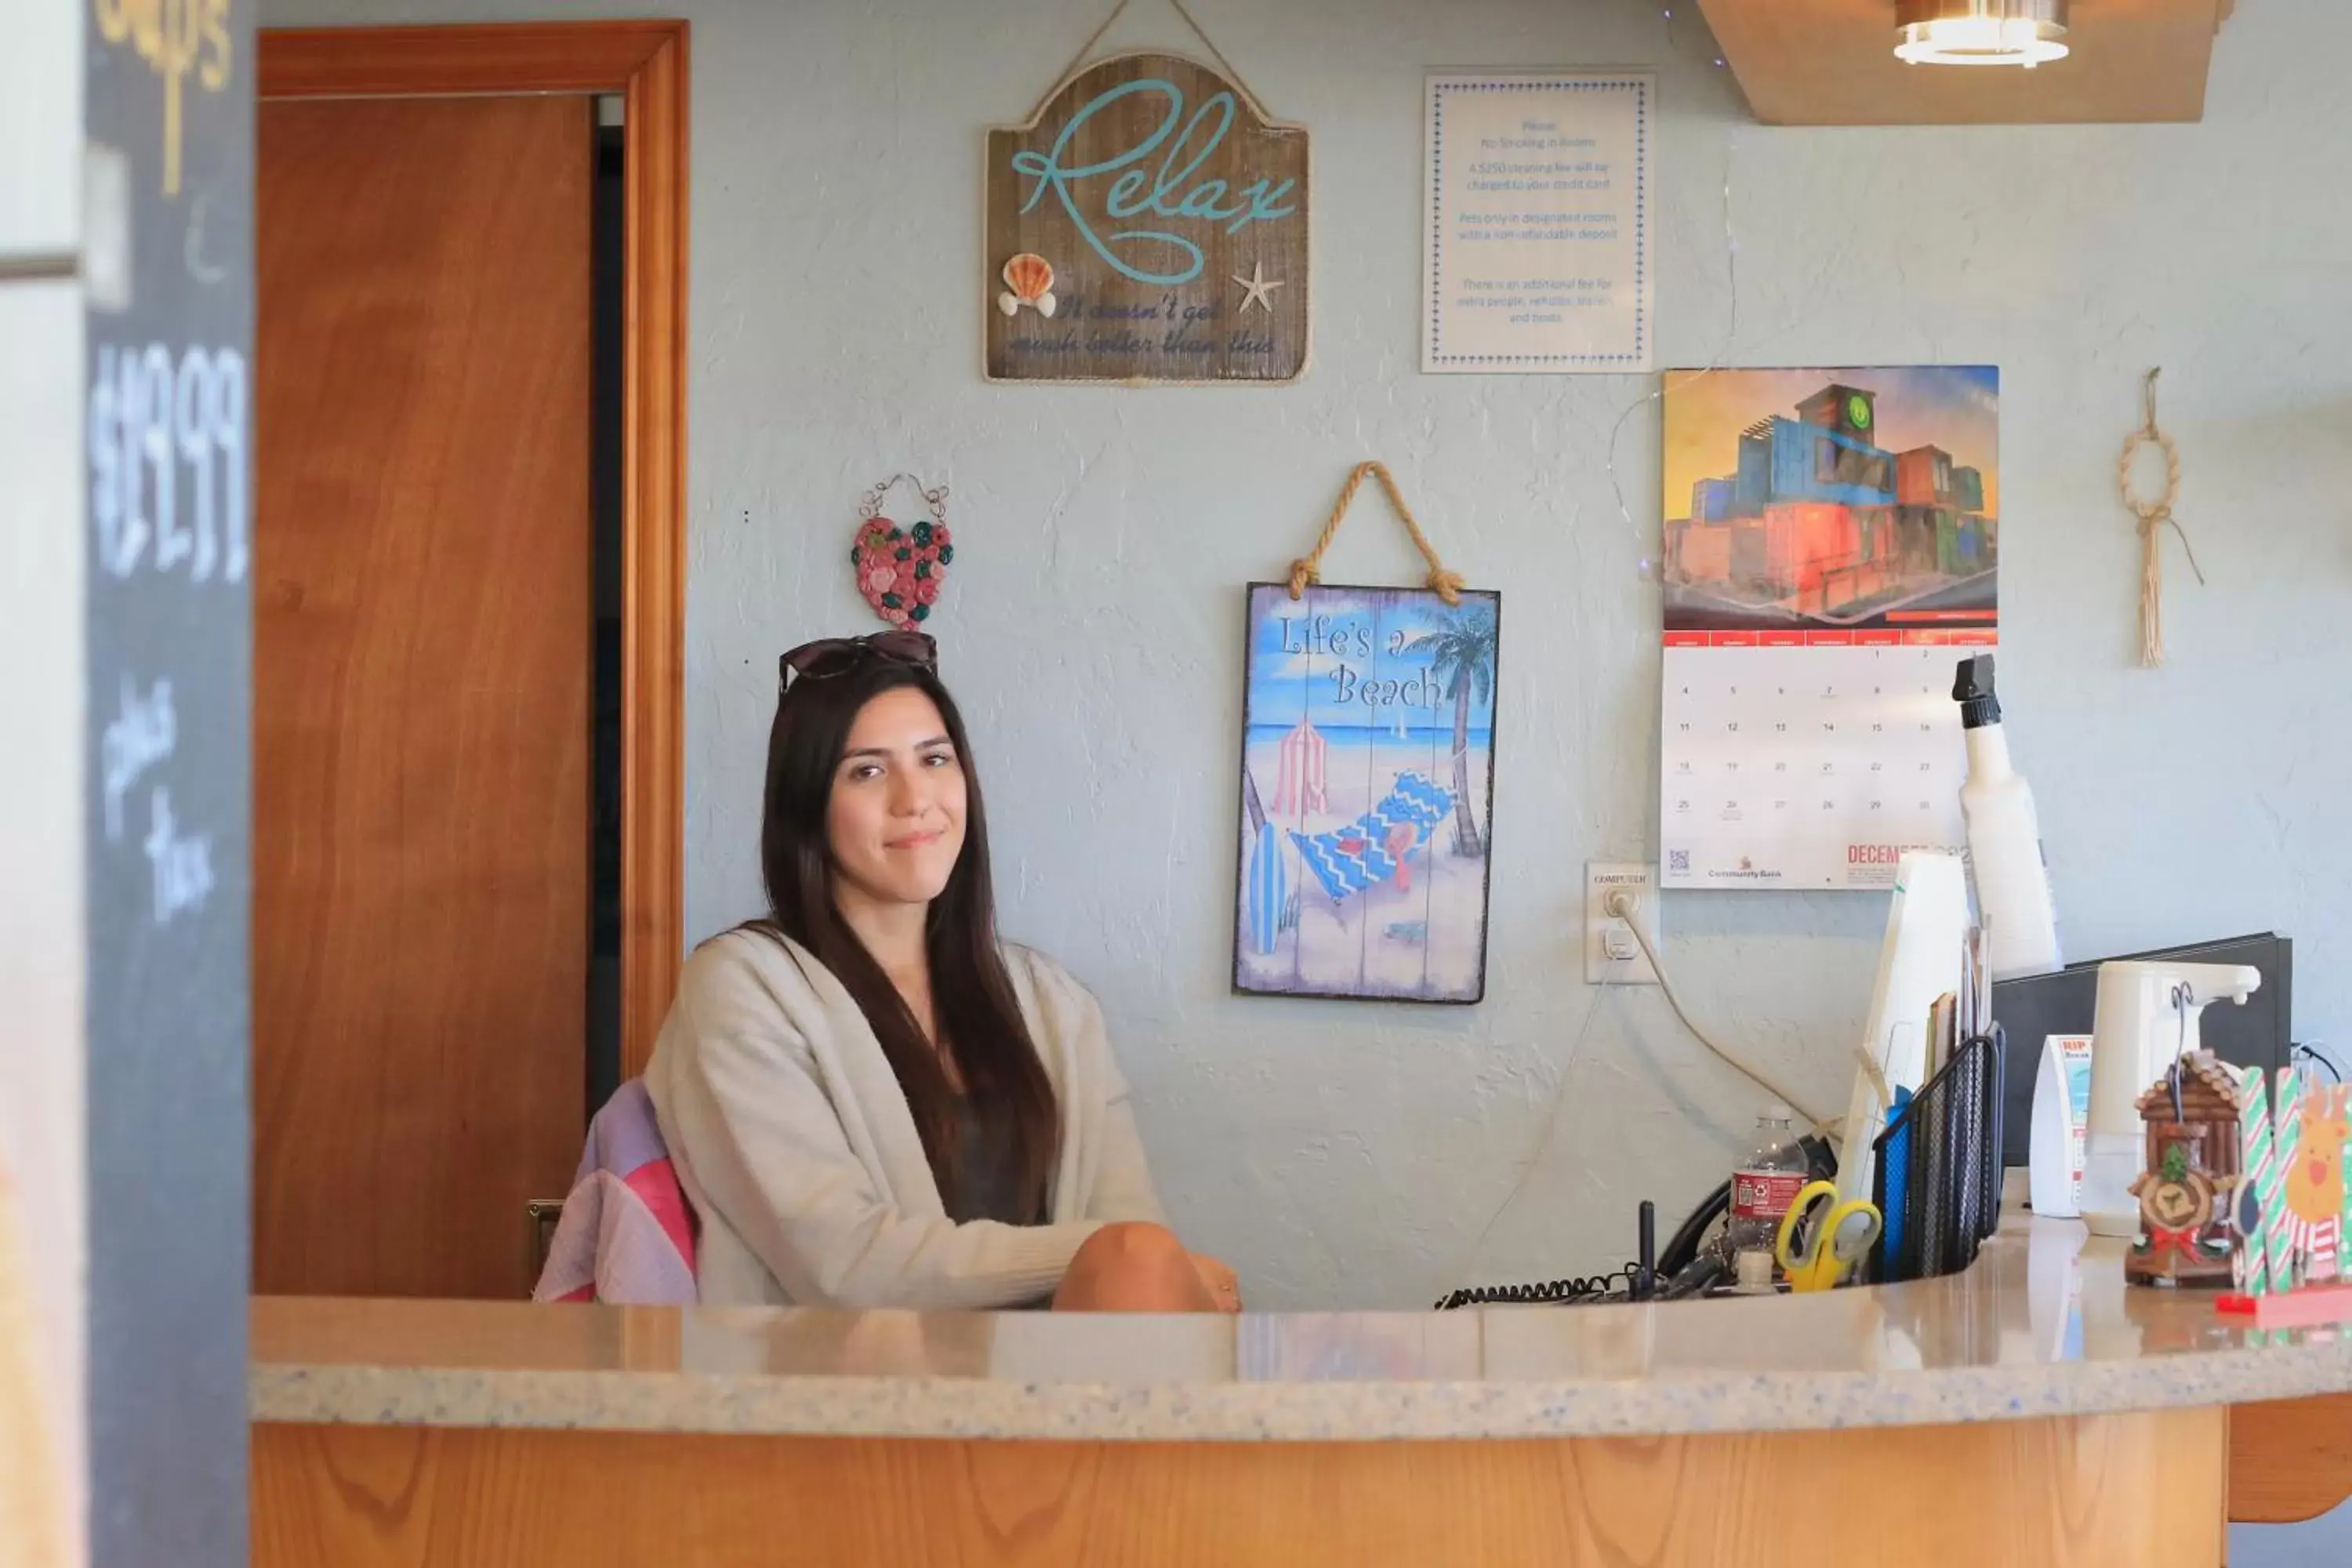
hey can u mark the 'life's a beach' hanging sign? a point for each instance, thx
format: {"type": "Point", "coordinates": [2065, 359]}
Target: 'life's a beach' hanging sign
{"type": "Point", "coordinates": [1148, 223]}
{"type": "Point", "coordinates": [1368, 790]}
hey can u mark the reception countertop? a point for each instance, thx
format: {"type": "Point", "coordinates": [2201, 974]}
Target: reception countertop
{"type": "Point", "coordinates": [2041, 1326]}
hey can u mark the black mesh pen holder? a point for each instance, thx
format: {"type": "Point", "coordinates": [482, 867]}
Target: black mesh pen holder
{"type": "Point", "coordinates": [1937, 1169]}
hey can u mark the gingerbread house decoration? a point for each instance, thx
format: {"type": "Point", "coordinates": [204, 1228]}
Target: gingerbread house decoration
{"type": "Point", "coordinates": [2185, 1194]}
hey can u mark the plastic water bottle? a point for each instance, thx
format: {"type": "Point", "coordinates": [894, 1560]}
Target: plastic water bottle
{"type": "Point", "coordinates": [1763, 1188]}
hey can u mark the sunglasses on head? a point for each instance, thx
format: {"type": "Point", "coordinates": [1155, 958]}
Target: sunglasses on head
{"type": "Point", "coordinates": [829, 657]}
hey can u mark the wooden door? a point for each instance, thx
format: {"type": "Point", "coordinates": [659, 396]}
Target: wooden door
{"type": "Point", "coordinates": [422, 669]}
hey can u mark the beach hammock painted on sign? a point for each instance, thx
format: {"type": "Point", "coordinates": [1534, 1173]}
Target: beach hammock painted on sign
{"type": "Point", "coordinates": [1367, 815]}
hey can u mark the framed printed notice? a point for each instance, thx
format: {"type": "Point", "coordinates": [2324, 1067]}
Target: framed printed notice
{"type": "Point", "coordinates": [1149, 223]}
{"type": "Point", "coordinates": [1831, 550]}
{"type": "Point", "coordinates": [1537, 255]}
{"type": "Point", "coordinates": [1367, 794]}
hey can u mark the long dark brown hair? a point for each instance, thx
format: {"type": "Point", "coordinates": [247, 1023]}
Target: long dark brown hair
{"type": "Point", "coordinates": [972, 1001]}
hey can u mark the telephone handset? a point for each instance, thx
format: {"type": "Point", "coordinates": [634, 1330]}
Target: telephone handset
{"type": "Point", "coordinates": [1676, 1260]}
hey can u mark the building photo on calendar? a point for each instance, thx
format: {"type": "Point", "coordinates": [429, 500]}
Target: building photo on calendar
{"type": "Point", "coordinates": [1846, 505]}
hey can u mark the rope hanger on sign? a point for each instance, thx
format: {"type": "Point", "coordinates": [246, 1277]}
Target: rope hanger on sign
{"type": "Point", "coordinates": [1189, 20]}
{"type": "Point", "coordinates": [1308, 568]}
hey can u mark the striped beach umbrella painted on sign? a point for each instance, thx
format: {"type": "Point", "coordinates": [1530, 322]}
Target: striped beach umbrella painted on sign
{"type": "Point", "coordinates": [2250, 1264]}
{"type": "Point", "coordinates": [1268, 889]}
{"type": "Point", "coordinates": [1298, 783]}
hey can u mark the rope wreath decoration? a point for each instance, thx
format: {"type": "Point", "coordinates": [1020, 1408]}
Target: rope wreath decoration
{"type": "Point", "coordinates": [2154, 516]}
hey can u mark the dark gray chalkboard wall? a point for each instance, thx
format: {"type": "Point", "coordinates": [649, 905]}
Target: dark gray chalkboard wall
{"type": "Point", "coordinates": [169, 114]}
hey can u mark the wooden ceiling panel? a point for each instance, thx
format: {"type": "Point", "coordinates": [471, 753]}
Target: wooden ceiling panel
{"type": "Point", "coordinates": [1832, 62]}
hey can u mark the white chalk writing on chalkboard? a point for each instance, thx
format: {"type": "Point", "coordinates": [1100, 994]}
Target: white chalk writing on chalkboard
{"type": "Point", "coordinates": [141, 734]}
{"type": "Point", "coordinates": [150, 420]}
{"type": "Point", "coordinates": [183, 863]}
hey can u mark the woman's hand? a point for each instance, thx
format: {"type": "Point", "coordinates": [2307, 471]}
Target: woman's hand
{"type": "Point", "coordinates": [1224, 1287]}
{"type": "Point", "coordinates": [1130, 1265]}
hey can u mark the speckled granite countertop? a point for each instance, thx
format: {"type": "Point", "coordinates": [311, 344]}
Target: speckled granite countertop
{"type": "Point", "coordinates": [2042, 1325]}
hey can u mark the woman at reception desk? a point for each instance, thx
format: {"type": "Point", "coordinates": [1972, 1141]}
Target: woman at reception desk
{"type": "Point", "coordinates": [868, 1100]}
{"type": "Point", "coordinates": [897, 1134]}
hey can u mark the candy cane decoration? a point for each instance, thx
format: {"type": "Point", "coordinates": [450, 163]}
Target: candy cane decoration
{"type": "Point", "coordinates": [2278, 1220]}
{"type": "Point", "coordinates": [2250, 1262]}
{"type": "Point", "coordinates": [2344, 1221]}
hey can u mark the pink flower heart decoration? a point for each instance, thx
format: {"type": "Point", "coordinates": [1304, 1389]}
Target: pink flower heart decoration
{"type": "Point", "coordinates": [899, 569]}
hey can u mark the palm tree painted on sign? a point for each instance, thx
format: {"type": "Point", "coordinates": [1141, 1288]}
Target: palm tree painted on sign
{"type": "Point", "coordinates": [1461, 656]}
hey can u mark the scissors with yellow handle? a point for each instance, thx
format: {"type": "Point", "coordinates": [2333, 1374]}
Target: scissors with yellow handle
{"type": "Point", "coordinates": [1835, 1235]}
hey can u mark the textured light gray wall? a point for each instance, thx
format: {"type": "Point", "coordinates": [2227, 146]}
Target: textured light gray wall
{"type": "Point", "coordinates": [1347, 1155]}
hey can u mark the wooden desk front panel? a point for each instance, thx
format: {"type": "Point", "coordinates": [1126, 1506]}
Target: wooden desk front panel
{"type": "Point", "coordinates": [2144, 1488]}
{"type": "Point", "coordinates": [2290, 1459]}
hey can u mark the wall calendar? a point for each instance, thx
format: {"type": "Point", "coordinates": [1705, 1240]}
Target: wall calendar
{"type": "Point", "coordinates": [1830, 552]}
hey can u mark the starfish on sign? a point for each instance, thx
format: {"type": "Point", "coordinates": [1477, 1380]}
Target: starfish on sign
{"type": "Point", "coordinates": [1259, 288]}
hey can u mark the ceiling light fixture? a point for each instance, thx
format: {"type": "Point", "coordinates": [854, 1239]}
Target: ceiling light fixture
{"type": "Point", "coordinates": [1980, 32]}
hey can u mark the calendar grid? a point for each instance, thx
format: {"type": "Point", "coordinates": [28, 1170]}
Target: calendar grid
{"type": "Point", "coordinates": [1808, 766]}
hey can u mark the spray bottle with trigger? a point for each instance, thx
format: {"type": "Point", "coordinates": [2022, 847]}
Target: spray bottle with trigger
{"type": "Point", "coordinates": [2012, 879]}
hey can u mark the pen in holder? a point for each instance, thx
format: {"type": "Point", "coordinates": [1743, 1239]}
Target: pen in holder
{"type": "Point", "coordinates": [1939, 1166]}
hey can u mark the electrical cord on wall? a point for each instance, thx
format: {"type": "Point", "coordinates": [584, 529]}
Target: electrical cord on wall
{"type": "Point", "coordinates": [1623, 904]}
{"type": "Point", "coordinates": [1526, 1168]}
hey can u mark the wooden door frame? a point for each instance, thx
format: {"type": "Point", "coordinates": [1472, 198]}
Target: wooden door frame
{"type": "Point", "coordinates": [645, 63]}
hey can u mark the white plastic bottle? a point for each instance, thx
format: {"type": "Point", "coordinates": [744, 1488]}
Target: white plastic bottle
{"type": "Point", "coordinates": [2005, 855]}
{"type": "Point", "coordinates": [1763, 1189]}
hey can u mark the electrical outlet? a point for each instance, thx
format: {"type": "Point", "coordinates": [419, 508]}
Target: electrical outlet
{"type": "Point", "coordinates": [1612, 956]}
